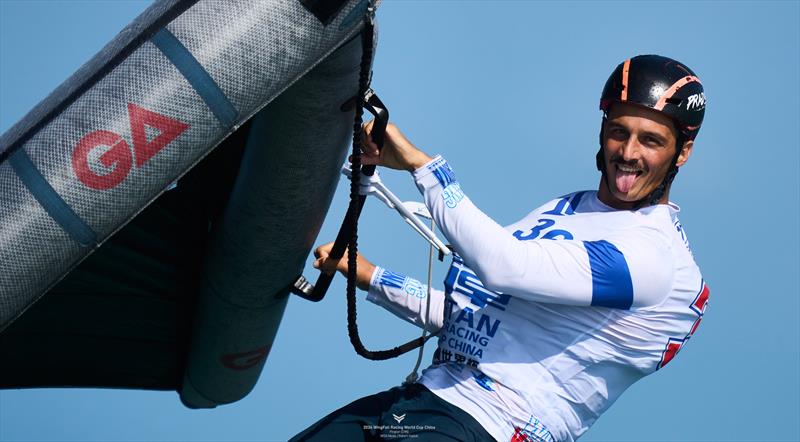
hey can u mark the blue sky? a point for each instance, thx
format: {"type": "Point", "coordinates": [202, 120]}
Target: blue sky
{"type": "Point", "coordinates": [508, 92]}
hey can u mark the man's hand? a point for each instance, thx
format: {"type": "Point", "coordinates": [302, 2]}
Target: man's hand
{"type": "Point", "coordinates": [328, 265]}
{"type": "Point", "coordinates": [398, 153]}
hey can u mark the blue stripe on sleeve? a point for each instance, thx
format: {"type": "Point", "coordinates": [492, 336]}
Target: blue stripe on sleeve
{"type": "Point", "coordinates": [443, 172]}
{"type": "Point", "coordinates": [611, 279]}
{"type": "Point", "coordinates": [391, 279]}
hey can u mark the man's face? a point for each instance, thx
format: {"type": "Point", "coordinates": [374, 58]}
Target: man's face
{"type": "Point", "coordinates": [639, 147]}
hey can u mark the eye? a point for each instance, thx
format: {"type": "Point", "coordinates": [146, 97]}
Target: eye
{"type": "Point", "coordinates": [652, 141]}
{"type": "Point", "coordinates": [618, 133]}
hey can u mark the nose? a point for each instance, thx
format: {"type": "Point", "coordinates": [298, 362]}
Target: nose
{"type": "Point", "coordinates": [629, 151]}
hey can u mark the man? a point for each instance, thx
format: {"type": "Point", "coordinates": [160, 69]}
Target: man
{"type": "Point", "coordinates": [545, 322]}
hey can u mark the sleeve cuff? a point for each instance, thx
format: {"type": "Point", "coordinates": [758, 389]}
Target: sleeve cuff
{"type": "Point", "coordinates": [374, 292]}
{"type": "Point", "coordinates": [376, 276]}
{"type": "Point", "coordinates": [436, 172]}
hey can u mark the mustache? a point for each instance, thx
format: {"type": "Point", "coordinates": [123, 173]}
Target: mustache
{"type": "Point", "coordinates": [617, 159]}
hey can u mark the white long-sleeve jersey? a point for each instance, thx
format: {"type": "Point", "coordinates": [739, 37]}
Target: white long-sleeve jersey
{"type": "Point", "coordinates": [545, 322]}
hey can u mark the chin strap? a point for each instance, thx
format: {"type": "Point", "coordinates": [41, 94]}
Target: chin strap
{"type": "Point", "coordinates": [658, 193]}
{"type": "Point", "coordinates": [599, 159]}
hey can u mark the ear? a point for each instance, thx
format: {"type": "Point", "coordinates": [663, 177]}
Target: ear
{"type": "Point", "coordinates": [685, 153]}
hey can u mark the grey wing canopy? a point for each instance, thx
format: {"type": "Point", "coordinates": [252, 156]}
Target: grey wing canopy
{"type": "Point", "coordinates": [107, 279]}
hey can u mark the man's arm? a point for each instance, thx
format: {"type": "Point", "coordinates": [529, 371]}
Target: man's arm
{"type": "Point", "coordinates": [600, 273]}
{"type": "Point", "coordinates": [406, 297]}
{"type": "Point", "coordinates": [403, 296]}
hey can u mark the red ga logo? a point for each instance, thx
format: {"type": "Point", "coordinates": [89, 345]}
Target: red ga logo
{"type": "Point", "coordinates": [243, 361]}
{"type": "Point", "coordinates": [117, 154]}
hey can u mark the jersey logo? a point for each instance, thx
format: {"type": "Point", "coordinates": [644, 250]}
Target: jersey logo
{"type": "Point", "coordinates": [451, 190]}
{"type": "Point", "coordinates": [468, 330]}
{"type": "Point", "coordinates": [484, 381]}
{"type": "Point", "coordinates": [566, 205]}
{"type": "Point", "coordinates": [680, 230]}
{"type": "Point", "coordinates": [537, 230]}
{"type": "Point", "coordinates": [674, 345]}
{"type": "Point", "coordinates": [534, 431]}
{"type": "Point", "coordinates": [460, 279]}
{"type": "Point", "coordinates": [452, 195]}
{"type": "Point", "coordinates": [409, 285]}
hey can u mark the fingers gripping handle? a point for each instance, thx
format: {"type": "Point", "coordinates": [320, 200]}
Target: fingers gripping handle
{"type": "Point", "coordinates": [316, 292]}
{"type": "Point", "coordinates": [376, 107]}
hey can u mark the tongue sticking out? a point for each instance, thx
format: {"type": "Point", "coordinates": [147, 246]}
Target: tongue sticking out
{"type": "Point", "coordinates": [624, 180]}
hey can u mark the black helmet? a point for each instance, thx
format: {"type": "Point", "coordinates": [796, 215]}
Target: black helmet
{"type": "Point", "coordinates": [662, 84]}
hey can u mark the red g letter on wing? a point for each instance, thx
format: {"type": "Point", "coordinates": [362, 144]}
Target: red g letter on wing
{"type": "Point", "coordinates": [118, 155]}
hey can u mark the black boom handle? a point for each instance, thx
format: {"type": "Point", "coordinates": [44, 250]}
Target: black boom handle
{"type": "Point", "coordinates": [316, 292]}
{"type": "Point", "coordinates": [376, 107]}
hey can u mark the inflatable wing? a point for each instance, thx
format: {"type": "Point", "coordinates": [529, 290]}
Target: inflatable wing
{"type": "Point", "coordinates": [161, 201]}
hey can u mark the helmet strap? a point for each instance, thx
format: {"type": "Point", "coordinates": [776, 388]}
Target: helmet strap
{"type": "Point", "coordinates": [655, 196]}
{"type": "Point", "coordinates": [600, 160]}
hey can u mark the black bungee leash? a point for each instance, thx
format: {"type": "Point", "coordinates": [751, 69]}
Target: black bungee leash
{"type": "Point", "coordinates": [347, 238]}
